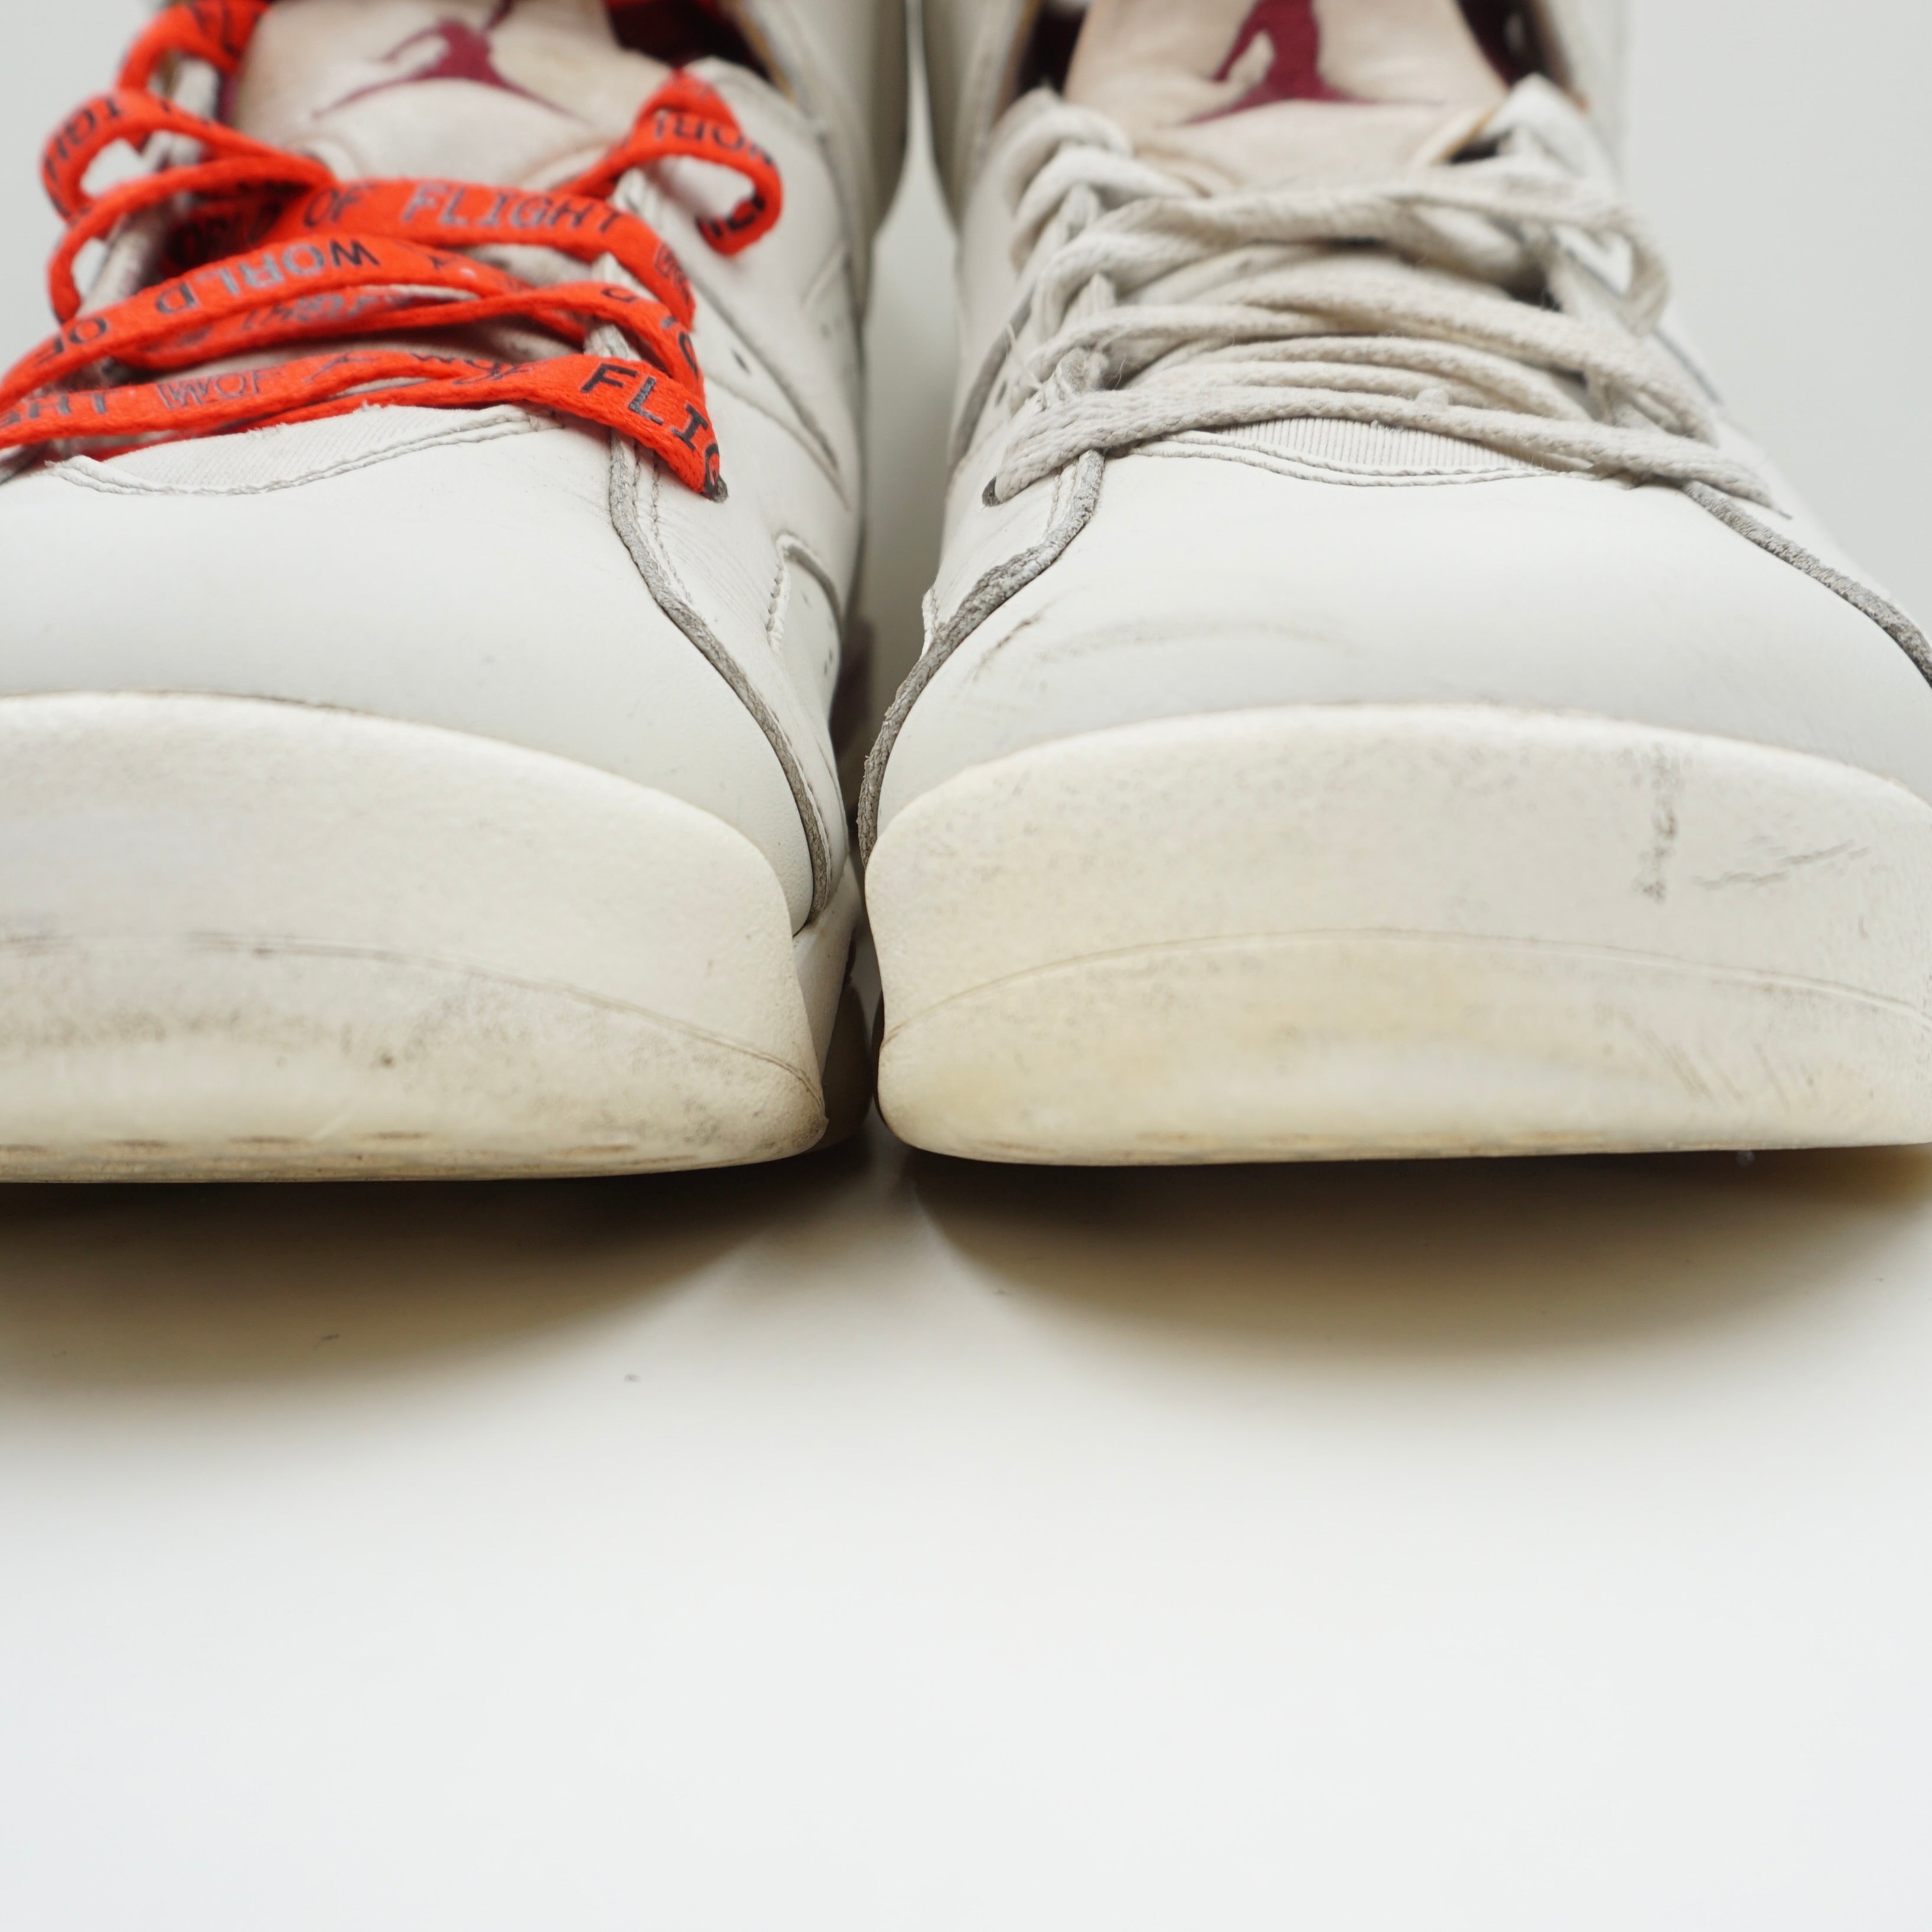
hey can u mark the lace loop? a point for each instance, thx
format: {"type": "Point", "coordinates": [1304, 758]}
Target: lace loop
{"type": "Point", "coordinates": [684, 118]}
{"type": "Point", "coordinates": [1500, 301]}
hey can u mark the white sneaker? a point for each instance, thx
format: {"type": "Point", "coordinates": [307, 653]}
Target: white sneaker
{"type": "Point", "coordinates": [443, 787]}
{"type": "Point", "coordinates": [1373, 702]}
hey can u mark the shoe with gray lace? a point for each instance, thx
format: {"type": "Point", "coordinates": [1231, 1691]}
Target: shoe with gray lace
{"type": "Point", "coordinates": [1373, 702]}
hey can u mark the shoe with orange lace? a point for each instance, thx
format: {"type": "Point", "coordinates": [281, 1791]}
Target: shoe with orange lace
{"type": "Point", "coordinates": [427, 539]}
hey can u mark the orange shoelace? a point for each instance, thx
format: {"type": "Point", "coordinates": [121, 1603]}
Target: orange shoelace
{"type": "Point", "coordinates": [323, 259]}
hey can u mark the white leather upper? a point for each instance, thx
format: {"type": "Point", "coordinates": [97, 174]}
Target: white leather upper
{"type": "Point", "coordinates": [455, 571]}
{"type": "Point", "coordinates": [477, 571]}
{"type": "Point", "coordinates": [1306, 561]}
{"type": "Point", "coordinates": [1207, 582]}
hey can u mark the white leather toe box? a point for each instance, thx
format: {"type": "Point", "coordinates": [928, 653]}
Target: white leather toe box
{"type": "Point", "coordinates": [1205, 583]}
{"type": "Point", "coordinates": [459, 571]}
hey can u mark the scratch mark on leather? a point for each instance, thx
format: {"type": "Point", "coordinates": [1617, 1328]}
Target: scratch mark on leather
{"type": "Point", "coordinates": [1777, 873]}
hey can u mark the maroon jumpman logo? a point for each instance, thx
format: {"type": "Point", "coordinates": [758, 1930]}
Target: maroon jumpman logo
{"type": "Point", "coordinates": [1294, 37]}
{"type": "Point", "coordinates": [463, 53]}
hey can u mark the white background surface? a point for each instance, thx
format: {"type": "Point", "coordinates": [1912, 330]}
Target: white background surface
{"type": "Point", "coordinates": [883, 1543]}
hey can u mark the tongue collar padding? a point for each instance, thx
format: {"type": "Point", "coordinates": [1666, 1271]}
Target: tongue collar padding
{"type": "Point", "coordinates": [525, 91]}
{"type": "Point", "coordinates": [1245, 92]}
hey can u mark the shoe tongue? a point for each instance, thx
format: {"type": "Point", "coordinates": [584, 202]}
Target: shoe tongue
{"type": "Point", "coordinates": [520, 92]}
{"type": "Point", "coordinates": [1254, 93]}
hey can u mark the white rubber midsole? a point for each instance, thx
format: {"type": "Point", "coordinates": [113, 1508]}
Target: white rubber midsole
{"type": "Point", "coordinates": [1321, 932]}
{"type": "Point", "coordinates": [257, 938]}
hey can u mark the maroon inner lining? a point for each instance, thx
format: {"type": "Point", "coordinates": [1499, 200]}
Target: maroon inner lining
{"type": "Point", "coordinates": [1507, 34]}
{"type": "Point", "coordinates": [679, 32]}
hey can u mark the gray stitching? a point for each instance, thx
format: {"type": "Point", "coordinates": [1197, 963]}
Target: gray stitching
{"type": "Point", "coordinates": [655, 567]}
{"type": "Point", "coordinates": [1000, 584]}
{"type": "Point", "coordinates": [793, 549]}
{"type": "Point", "coordinates": [97, 477]}
{"type": "Point", "coordinates": [635, 194]}
{"type": "Point", "coordinates": [815, 437]}
{"type": "Point", "coordinates": [1886, 615]}
{"type": "Point", "coordinates": [1308, 471]}
{"type": "Point", "coordinates": [738, 393]}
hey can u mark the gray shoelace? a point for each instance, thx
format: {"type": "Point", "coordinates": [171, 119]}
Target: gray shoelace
{"type": "Point", "coordinates": [1500, 301]}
